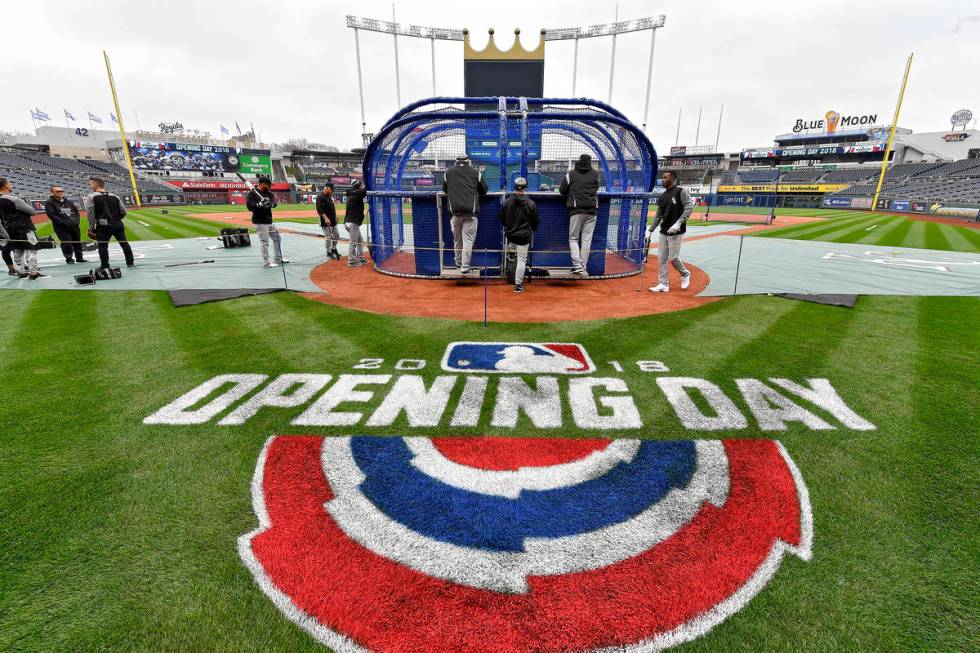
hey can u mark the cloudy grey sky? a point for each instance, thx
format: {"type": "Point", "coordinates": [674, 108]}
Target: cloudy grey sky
{"type": "Point", "coordinates": [289, 66]}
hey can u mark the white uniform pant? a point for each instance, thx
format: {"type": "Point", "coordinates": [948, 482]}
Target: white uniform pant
{"type": "Point", "coordinates": [331, 235]}
{"type": "Point", "coordinates": [25, 256]}
{"type": "Point", "coordinates": [464, 235]}
{"type": "Point", "coordinates": [267, 232]}
{"type": "Point", "coordinates": [356, 250]}
{"type": "Point", "coordinates": [521, 252]}
{"type": "Point", "coordinates": [580, 228]}
{"type": "Point", "coordinates": [669, 249]}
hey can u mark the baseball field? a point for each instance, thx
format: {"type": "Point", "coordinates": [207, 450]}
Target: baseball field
{"type": "Point", "coordinates": [123, 506]}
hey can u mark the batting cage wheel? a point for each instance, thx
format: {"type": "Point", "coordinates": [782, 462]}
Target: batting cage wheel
{"type": "Point", "coordinates": [539, 139]}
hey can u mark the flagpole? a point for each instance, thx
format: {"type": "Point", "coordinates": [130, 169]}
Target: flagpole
{"type": "Point", "coordinates": [122, 130]}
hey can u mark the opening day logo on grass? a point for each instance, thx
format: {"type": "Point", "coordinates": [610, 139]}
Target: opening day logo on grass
{"type": "Point", "coordinates": [476, 543]}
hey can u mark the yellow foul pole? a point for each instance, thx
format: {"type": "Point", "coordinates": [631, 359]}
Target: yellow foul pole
{"type": "Point", "coordinates": [891, 134]}
{"type": "Point", "coordinates": [122, 130]}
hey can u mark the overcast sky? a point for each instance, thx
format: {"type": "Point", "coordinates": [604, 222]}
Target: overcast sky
{"type": "Point", "coordinates": [289, 66]}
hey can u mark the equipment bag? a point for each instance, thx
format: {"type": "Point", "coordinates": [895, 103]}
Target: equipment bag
{"type": "Point", "coordinates": [232, 237]}
{"type": "Point", "coordinates": [103, 274]}
{"type": "Point", "coordinates": [45, 243]}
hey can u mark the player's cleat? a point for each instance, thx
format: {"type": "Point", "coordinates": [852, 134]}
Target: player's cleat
{"type": "Point", "coordinates": [38, 275]}
{"type": "Point", "coordinates": [685, 281]}
{"type": "Point", "coordinates": [131, 265]}
{"type": "Point", "coordinates": [269, 264]}
{"type": "Point", "coordinates": [519, 287]}
{"type": "Point", "coordinates": [355, 264]}
{"type": "Point", "coordinates": [466, 270]}
{"type": "Point", "coordinates": [22, 275]}
{"type": "Point", "coordinates": [281, 261]}
{"type": "Point", "coordinates": [82, 260]}
{"type": "Point", "coordinates": [660, 287]}
{"type": "Point", "coordinates": [70, 261]}
{"type": "Point", "coordinates": [582, 272]}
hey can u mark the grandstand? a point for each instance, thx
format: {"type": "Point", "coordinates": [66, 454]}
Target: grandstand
{"type": "Point", "coordinates": [33, 173]}
{"type": "Point", "coordinates": [955, 182]}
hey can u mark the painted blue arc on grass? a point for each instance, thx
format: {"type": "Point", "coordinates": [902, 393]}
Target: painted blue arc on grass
{"type": "Point", "coordinates": [448, 514]}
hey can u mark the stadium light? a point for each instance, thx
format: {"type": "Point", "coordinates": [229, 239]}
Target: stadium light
{"type": "Point", "coordinates": [433, 34]}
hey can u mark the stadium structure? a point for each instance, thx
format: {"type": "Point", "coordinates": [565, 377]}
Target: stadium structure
{"type": "Point", "coordinates": [928, 172]}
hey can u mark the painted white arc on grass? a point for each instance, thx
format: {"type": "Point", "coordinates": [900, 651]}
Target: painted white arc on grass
{"type": "Point", "coordinates": [510, 483]}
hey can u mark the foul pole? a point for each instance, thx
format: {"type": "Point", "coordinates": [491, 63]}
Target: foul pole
{"type": "Point", "coordinates": [891, 134]}
{"type": "Point", "coordinates": [122, 130]}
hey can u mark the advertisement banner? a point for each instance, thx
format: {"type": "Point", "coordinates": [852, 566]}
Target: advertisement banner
{"type": "Point", "coordinates": [883, 203]}
{"type": "Point", "coordinates": [861, 202]}
{"type": "Point", "coordinates": [188, 184]}
{"type": "Point", "coordinates": [938, 208]}
{"type": "Point", "coordinates": [194, 157]}
{"type": "Point", "coordinates": [783, 188]}
{"type": "Point", "coordinates": [837, 202]}
{"type": "Point", "coordinates": [900, 205]}
{"type": "Point", "coordinates": [918, 207]}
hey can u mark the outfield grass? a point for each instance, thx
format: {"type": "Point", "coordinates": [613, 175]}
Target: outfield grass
{"type": "Point", "coordinates": [121, 536]}
{"type": "Point", "coordinates": [882, 230]}
{"type": "Point", "coordinates": [176, 223]}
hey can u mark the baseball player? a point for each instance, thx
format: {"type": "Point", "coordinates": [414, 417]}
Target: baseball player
{"type": "Point", "coordinates": [354, 218]}
{"type": "Point", "coordinates": [260, 201]}
{"type": "Point", "coordinates": [464, 186]}
{"type": "Point", "coordinates": [328, 221]}
{"type": "Point", "coordinates": [520, 217]}
{"type": "Point", "coordinates": [580, 188]}
{"type": "Point", "coordinates": [674, 207]}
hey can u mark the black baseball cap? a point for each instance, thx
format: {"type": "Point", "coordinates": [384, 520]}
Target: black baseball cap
{"type": "Point", "coordinates": [263, 179]}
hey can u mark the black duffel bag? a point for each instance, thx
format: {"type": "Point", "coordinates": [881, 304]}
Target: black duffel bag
{"type": "Point", "coordinates": [45, 243]}
{"type": "Point", "coordinates": [232, 237]}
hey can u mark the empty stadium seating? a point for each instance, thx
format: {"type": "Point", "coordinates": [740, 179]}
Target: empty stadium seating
{"type": "Point", "coordinates": [33, 173]}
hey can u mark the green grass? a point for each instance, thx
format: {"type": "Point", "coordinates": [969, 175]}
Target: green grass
{"type": "Point", "coordinates": [755, 210]}
{"type": "Point", "coordinates": [120, 536]}
{"type": "Point", "coordinates": [176, 223]}
{"type": "Point", "coordinates": [882, 230]}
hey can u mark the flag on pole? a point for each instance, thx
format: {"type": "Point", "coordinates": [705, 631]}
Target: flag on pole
{"type": "Point", "coordinates": [68, 115]}
{"type": "Point", "coordinates": [224, 130]}
{"type": "Point", "coordinates": [94, 118]}
{"type": "Point", "coordinates": [114, 118]}
{"type": "Point", "coordinates": [37, 114]}
{"type": "Point", "coordinates": [238, 128]}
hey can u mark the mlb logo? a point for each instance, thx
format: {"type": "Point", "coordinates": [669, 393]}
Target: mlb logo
{"type": "Point", "coordinates": [517, 358]}
{"type": "Point", "coordinates": [519, 545]}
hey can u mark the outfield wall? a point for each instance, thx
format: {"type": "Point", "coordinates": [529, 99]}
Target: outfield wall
{"type": "Point", "coordinates": [907, 207]}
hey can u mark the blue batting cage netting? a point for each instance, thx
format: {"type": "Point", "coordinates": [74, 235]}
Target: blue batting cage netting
{"type": "Point", "coordinates": [539, 139]}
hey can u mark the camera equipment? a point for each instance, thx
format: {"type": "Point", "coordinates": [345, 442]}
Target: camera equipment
{"type": "Point", "coordinates": [85, 279]}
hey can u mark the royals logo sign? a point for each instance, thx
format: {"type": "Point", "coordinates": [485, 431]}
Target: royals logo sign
{"type": "Point", "coordinates": [509, 544]}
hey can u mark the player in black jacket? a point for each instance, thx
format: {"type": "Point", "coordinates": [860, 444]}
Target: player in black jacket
{"type": "Point", "coordinates": [15, 215]}
{"type": "Point", "coordinates": [105, 220]}
{"type": "Point", "coordinates": [464, 186]}
{"type": "Point", "coordinates": [580, 188]}
{"type": "Point", "coordinates": [260, 201]}
{"type": "Point", "coordinates": [66, 221]}
{"type": "Point", "coordinates": [328, 221]}
{"type": "Point", "coordinates": [520, 217]}
{"type": "Point", "coordinates": [353, 220]}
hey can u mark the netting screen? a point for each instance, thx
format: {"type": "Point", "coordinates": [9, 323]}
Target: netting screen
{"type": "Point", "coordinates": [506, 138]}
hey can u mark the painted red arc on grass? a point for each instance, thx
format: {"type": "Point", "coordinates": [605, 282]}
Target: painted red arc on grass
{"type": "Point", "coordinates": [354, 598]}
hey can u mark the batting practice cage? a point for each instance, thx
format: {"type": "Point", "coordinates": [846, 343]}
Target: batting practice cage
{"type": "Point", "coordinates": [539, 139]}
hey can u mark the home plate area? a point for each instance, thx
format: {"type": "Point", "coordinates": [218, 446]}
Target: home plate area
{"type": "Point", "coordinates": [519, 544]}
